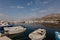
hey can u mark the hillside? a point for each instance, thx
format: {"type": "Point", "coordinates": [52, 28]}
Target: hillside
{"type": "Point", "coordinates": [55, 18]}
{"type": "Point", "coordinates": [51, 17]}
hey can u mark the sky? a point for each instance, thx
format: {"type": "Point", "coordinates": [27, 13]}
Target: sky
{"type": "Point", "coordinates": [27, 9]}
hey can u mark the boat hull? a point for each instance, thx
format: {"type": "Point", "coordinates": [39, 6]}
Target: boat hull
{"type": "Point", "coordinates": [14, 35]}
{"type": "Point", "coordinates": [57, 35]}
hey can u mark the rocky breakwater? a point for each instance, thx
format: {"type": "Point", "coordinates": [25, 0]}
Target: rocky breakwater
{"type": "Point", "coordinates": [38, 34]}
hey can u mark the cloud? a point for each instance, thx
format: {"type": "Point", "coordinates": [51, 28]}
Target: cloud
{"type": "Point", "coordinates": [16, 7]}
{"type": "Point", "coordinates": [37, 2]}
{"type": "Point", "coordinates": [1, 8]}
{"type": "Point", "coordinates": [20, 7]}
{"type": "Point", "coordinates": [45, 2]}
{"type": "Point", "coordinates": [12, 6]}
{"type": "Point", "coordinates": [48, 9]}
{"type": "Point", "coordinates": [1, 14]}
{"type": "Point", "coordinates": [37, 12]}
{"type": "Point", "coordinates": [41, 2]}
{"type": "Point", "coordinates": [4, 17]}
{"type": "Point", "coordinates": [29, 3]}
{"type": "Point", "coordinates": [35, 9]}
{"type": "Point", "coordinates": [31, 15]}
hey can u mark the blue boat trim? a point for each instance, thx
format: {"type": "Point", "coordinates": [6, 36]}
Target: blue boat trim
{"type": "Point", "coordinates": [2, 28]}
{"type": "Point", "coordinates": [57, 35]}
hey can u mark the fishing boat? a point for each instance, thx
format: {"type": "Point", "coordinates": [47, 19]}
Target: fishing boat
{"type": "Point", "coordinates": [57, 35]}
{"type": "Point", "coordinates": [38, 34]}
{"type": "Point", "coordinates": [9, 30]}
{"type": "Point", "coordinates": [4, 24]}
{"type": "Point", "coordinates": [13, 31]}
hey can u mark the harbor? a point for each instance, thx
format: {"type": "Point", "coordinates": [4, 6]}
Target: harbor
{"type": "Point", "coordinates": [9, 31]}
{"type": "Point", "coordinates": [28, 31]}
{"type": "Point", "coordinates": [29, 19]}
{"type": "Point", "coordinates": [32, 27]}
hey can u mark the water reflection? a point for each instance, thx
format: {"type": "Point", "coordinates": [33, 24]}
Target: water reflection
{"type": "Point", "coordinates": [31, 27]}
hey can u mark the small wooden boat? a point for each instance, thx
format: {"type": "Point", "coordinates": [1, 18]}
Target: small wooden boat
{"type": "Point", "coordinates": [13, 31]}
{"type": "Point", "coordinates": [38, 34]}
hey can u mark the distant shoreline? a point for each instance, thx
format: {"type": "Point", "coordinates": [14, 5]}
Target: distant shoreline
{"type": "Point", "coordinates": [51, 25]}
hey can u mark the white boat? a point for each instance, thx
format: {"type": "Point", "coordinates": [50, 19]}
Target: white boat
{"type": "Point", "coordinates": [13, 31]}
{"type": "Point", "coordinates": [57, 35]}
{"type": "Point", "coordinates": [38, 34]}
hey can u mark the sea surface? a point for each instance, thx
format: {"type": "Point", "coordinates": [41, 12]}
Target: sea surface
{"type": "Point", "coordinates": [50, 35]}
{"type": "Point", "coordinates": [31, 27]}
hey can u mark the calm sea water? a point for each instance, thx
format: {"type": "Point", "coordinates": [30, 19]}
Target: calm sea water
{"type": "Point", "coordinates": [31, 27]}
